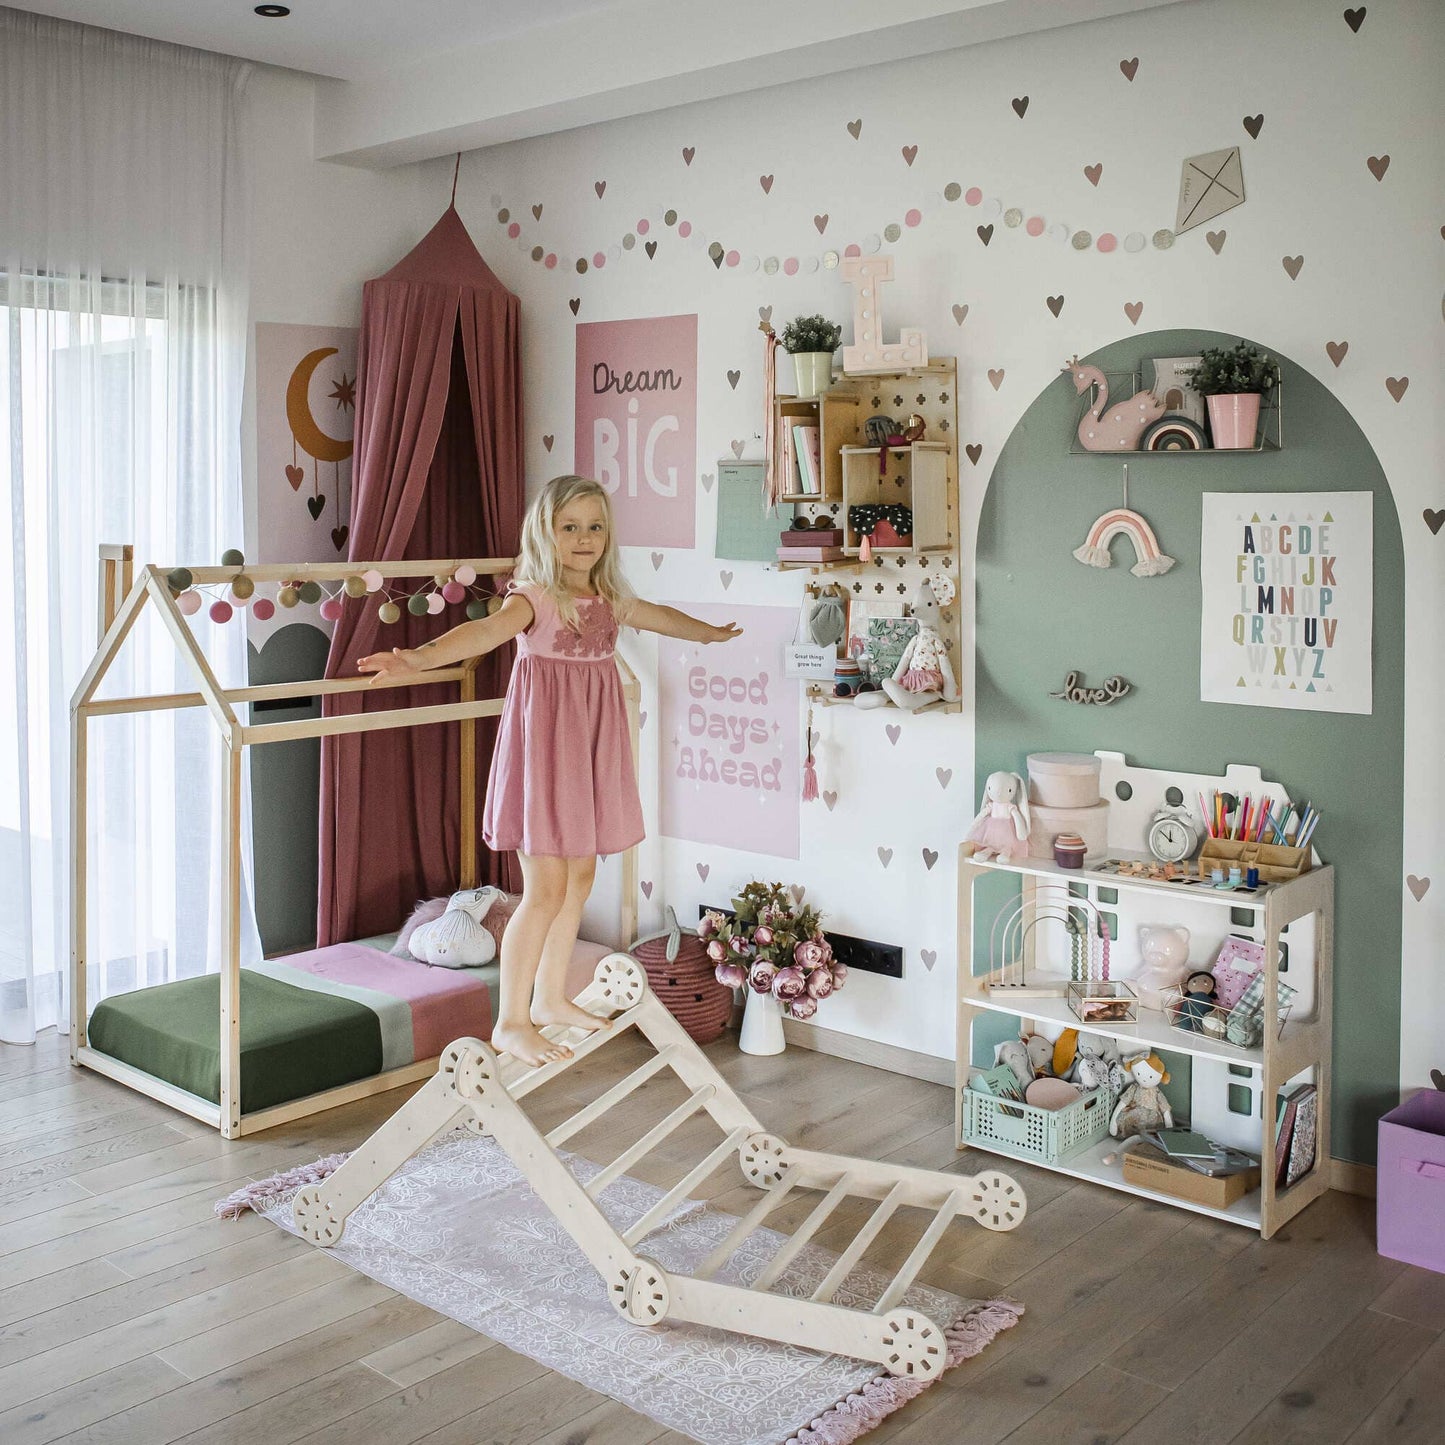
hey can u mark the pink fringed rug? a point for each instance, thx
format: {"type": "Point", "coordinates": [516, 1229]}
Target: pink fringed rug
{"type": "Point", "coordinates": [457, 1228]}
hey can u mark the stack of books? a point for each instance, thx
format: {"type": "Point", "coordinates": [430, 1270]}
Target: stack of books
{"type": "Point", "coordinates": [1294, 1145]}
{"type": "Point", "coordinates": [807, 460]}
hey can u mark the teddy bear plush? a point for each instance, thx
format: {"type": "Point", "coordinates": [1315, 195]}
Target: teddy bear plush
{"type": "Point", "coordinates": [1142, 1107]}
{"type": "Point", "coordinates": [1165, 951]}
{"type": "Point", "coordinates": [1001, 829]}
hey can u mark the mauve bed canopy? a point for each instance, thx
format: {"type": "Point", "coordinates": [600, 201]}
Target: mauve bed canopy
{"type": "Point", "coordinates": [437, 473]}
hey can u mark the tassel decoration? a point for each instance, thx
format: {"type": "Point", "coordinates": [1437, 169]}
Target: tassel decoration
{"type": "Point", "coordinates": [810, 772]}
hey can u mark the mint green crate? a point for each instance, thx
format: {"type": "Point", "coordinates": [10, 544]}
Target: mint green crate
{"type": "Point", "coordinates": [1043, 1135]}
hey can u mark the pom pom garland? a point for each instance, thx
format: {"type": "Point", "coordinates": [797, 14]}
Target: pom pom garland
{"type": "Point", "coordinates": [180, 578]}
{"type": "Point", "coordinates": [465, 575]}
{"type": "Point", "coordinates": [388, 612]}
{"type": "Point", "coordinates": [233, 557]}
{"type": "Point", "coordinates": [242, 587]}
{"type": "Point", "coordinates": [476, 609]}
{"type": "Point", "coordinates": [310, 592]}
{"type": "Point", "coordinates": [288, 596]}
{"type": "Point", "coordinates": [454, 592]}
{"type": "Point", "coordinates": [263, 609]}
{"type": "Point", "coordinates": [373, 579]}
{"type": "Point", "coordinates": [331, 609]}
{"type": "Point", "coordinates": [435, 602]}
{"type": "Point", "coordinates": [189, 603]}
{"type": "Point", "coordinates": [416, 605]}
{"type": "Point", "coordinates": [355, 585]}
{"type": "Point", "coordinates": [220, 611]}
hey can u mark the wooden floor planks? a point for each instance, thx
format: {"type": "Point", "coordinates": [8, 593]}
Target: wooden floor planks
{"type": "Point", "coordinates": [129, 1315]}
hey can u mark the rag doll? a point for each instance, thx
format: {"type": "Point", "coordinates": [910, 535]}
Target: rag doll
{"type": "Point", "coordinates": [924, 673]}
{"type": "Point", "coordinates": [1200, 993]}
{"type": "Point", "coordinates": [457, 939]}
{"type": "Point", "coordinates": [1142, 1107]}
{"type": "Point", "coordinates": [1001, 829]}
{"type": "Point", "coordinates": [1166, 963]}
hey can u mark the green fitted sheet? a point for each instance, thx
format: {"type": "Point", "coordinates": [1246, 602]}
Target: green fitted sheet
{"type": "Point", "coordinates": [294, 1041]}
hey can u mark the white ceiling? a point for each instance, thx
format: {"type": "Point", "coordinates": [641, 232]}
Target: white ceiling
{"type": "Point", "coordinates": [341, 39]}
{"type": "Point", "coordinates": [408, 80]}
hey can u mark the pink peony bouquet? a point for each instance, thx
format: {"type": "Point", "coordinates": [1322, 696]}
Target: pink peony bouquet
{"type": "Point", "coordinates": [773, 944]}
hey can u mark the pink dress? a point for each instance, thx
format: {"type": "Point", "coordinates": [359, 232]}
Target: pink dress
{"type": "Point", "coordinates": [563, 783]}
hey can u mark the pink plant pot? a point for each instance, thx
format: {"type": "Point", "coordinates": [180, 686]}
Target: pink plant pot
{"type": "Point", "coordinates": [1233, 420]}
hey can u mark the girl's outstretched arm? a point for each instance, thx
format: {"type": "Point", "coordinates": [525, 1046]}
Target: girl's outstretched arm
{"type": "Point", "coordinates": [669, 622]}
{"type": "Point", "coordinates": [470, 639]}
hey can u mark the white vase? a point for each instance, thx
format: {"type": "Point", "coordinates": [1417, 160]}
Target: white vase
{"type": "Point", "coordinates": [762, 1031]}
{"type": "Point", "coordinates": [814, 371]}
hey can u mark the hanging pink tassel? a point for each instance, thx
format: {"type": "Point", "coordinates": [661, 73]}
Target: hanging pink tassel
{"type": "Point", "coordinates": [810, 780]}
{"type": "Point", "coordinates": [810, 773]}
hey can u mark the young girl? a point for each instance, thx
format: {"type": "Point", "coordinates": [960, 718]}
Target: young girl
{"type": "Point", "coordinates": [563, 788]}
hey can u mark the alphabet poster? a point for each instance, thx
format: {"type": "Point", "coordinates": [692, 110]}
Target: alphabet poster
{"type": "Point", "coordinates": [636, 421]}
{"type": "Point", "coordinates": [1288, 585]}
{"type": "Point", "coordinates": [730, 769]}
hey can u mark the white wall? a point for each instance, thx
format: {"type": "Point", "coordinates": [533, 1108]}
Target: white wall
{"type": "Point", "coordinates": [1330, 99]}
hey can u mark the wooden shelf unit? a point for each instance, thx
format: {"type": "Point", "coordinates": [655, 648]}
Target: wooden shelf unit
{"type": "Point", "coordinates": [915, 476]}
{"type": "Point", "coordinates": [835, 414]}
{"type": "Point", "coordinates": [1303, 1045]}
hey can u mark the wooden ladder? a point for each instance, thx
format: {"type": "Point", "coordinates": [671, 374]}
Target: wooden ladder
{"type": "Point", "coordinates": [476, 1087]}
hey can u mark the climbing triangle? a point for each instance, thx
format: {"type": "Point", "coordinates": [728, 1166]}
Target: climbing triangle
{"type": "Point", "coordinates": [476, 1087]}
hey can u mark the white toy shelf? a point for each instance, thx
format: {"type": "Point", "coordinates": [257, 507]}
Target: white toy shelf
{"type": "Point", "coordinates": [1298, 914]}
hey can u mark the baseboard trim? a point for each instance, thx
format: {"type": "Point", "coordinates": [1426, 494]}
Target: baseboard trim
{"type": "Point", "coordinates": [892, 1057]}
{"type": "Point", "coordinates": [1350, 1178]}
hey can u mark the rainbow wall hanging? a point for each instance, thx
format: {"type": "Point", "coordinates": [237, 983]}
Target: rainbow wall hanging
{"type": "Point", "coordinates": [1151, 562]}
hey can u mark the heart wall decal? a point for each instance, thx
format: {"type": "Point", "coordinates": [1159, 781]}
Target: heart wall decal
{"type": "Point", "coordinates": [1254, 124]}
{"type": "Point", "coordinates": [295, 475]}
{"type": "Point", "coordinates": [547, 441]}
{"type": "Point", "coordinates": [1216, 240]}
{"type": "Point", "coordinates": [766, 182]}
{"type": "Point", "coordinates": [894, 733]}
{"type": "Point", "coordinates": [688, 152]}
{"type": "Point", "coordinates": [1378, 166]}
{"type": "Point", "coordinates": [1355, 18]}
{"type": "Point", "coordinates": [985, 233]}
{"type": "Point", "coordinates": [831, 800]}
{"type": "Point", "coordinates": [1336, 350]}
{"type": "Point", "coordinates": [1092, 173]}
{"type": "Point", "coordinates": [1418, 886]}
{"type": "Point", "coordinates": [975, 451]}
{"type": "Point", "coordinates": [339, 536]}
{"type": "Point", "coordinates": [909, 154]}
{"type": "Point", "coordinates": [944, 776]}
{"type": "Point", "coordinates": [885, 856]}
{"type": "Point", "coordinates": [929, 858]}
{"type": "Point", "coordinates": [1292, 265]}
{"type": "Point", "coordinates": [855, 127]}
{"type": "Point", "coordinates": [1129, 68]}
{"type": "Point", "coordinates": [1020, 105]}
{"type": "Point", "coordinates": [316, 505]}
{"type": "Point", "coordinates": [1434, 520]}
{"type": "Point", "coordinates": [646, 887]}
{"type": "Point", "coordinates": [576, 304]}
{"type": "Point", "coordinates": [960, 314]}
{"type": "Point", "coordinates": [1397, 386]}
{"type": "Point", "coordinates": [1054, 303]}
{"type": "Point", "coordinates": [995, 377]}
{"type": "Point", "coordinates": [703, 869]}
{"type": "Point", "coordinates": [929, 957]}
{"type": "Point", "coordinates": [1133, 310]}
{"type": "Point", "coordinates": [733, 378]}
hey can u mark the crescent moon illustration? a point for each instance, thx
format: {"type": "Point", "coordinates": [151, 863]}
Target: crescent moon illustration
{"type": "Point", "coordinates": [309, 437]}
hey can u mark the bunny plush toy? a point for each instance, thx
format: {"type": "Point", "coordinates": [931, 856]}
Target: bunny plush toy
{"type": "Point", "coordinates": [1001, 829]}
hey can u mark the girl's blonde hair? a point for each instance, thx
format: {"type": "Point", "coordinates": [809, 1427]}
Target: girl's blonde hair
{"type": "Point", "coordinates": [538, 561]}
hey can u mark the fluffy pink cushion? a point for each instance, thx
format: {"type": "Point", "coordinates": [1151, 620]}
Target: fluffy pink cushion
{"type": "Point", "coordinates": [499, 915]}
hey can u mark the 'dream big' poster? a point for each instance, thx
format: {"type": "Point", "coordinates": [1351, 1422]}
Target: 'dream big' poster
{"type": "Point", "coordinates": [636, 421]}
{"type": "Point", "coordinates": [1288, 583]}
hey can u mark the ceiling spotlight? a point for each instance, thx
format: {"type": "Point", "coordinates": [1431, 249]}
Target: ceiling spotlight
{"type": "Point", "coordinates": [273, 12]}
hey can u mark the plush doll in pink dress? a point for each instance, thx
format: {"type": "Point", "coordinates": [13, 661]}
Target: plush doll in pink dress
{"type": "Point", "coordinates": [1001, 829]}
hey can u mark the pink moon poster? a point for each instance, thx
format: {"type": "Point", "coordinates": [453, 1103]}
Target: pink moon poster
{"type": "Point", "coordinates": [730, 770]}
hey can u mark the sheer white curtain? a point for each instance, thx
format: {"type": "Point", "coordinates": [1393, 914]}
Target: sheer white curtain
{"type": "Point", "coordinates": [122, 352]}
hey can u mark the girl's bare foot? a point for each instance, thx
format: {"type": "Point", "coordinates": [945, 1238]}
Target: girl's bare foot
{"type": "Point", "coordinates": [523, 1042]}
{"type": "Point", "coordinates": [565, 1012]}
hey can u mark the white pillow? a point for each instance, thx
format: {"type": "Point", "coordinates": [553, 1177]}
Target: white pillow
{"type": "Point", "coordinates": [457, 939]}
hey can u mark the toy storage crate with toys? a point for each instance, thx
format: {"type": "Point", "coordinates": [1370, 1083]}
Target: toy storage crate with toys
{"type": "Point", "coordinates": [1133, 998]}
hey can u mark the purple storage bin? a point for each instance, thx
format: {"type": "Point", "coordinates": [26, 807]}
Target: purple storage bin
{"type": "Point", "coordinates": [1410, 1201]}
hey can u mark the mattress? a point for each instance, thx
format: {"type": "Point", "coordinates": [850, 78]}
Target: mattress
{"type": "Point", "coordinates": [309, 1021]}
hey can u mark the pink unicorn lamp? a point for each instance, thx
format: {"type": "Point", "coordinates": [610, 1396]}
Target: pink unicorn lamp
{"type": "Point", "coordinates": [1120, 429]}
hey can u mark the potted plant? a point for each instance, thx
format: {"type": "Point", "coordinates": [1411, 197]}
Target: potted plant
{"type": "Point", "coordinates": [775, 948]}
{"type": "Point", "coordinates": [1233, 383]}
{"type": "Point", "coordinates": [812, 340]}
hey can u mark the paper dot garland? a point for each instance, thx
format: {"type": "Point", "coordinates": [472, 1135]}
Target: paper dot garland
{"type": "Point", "coordinates": [723, 257]}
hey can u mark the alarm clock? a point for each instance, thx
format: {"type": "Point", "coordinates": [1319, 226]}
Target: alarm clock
{"type": "Point", "coordinates": [1173, 836]}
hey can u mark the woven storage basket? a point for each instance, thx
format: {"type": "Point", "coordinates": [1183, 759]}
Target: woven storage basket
{"type": "Point", "coordinates": [680, 973]}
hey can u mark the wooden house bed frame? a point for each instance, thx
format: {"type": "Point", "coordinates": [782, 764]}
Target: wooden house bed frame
{"type": "Point", "coordinates": [123, 596]}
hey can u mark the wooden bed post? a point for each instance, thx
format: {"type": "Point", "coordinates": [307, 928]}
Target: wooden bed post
{"type": "Point", "coordinates": [468, 775]}
{"type": "Point", "coordinates": [117, 568]}
{"type": "Point", "coordinates": [230, 990]}
{"type": "Point", "coordinates": [632, 691]}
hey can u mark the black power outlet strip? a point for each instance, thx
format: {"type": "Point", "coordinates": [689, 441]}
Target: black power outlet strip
{"type": "Point", "coordinates": [861, 953]}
